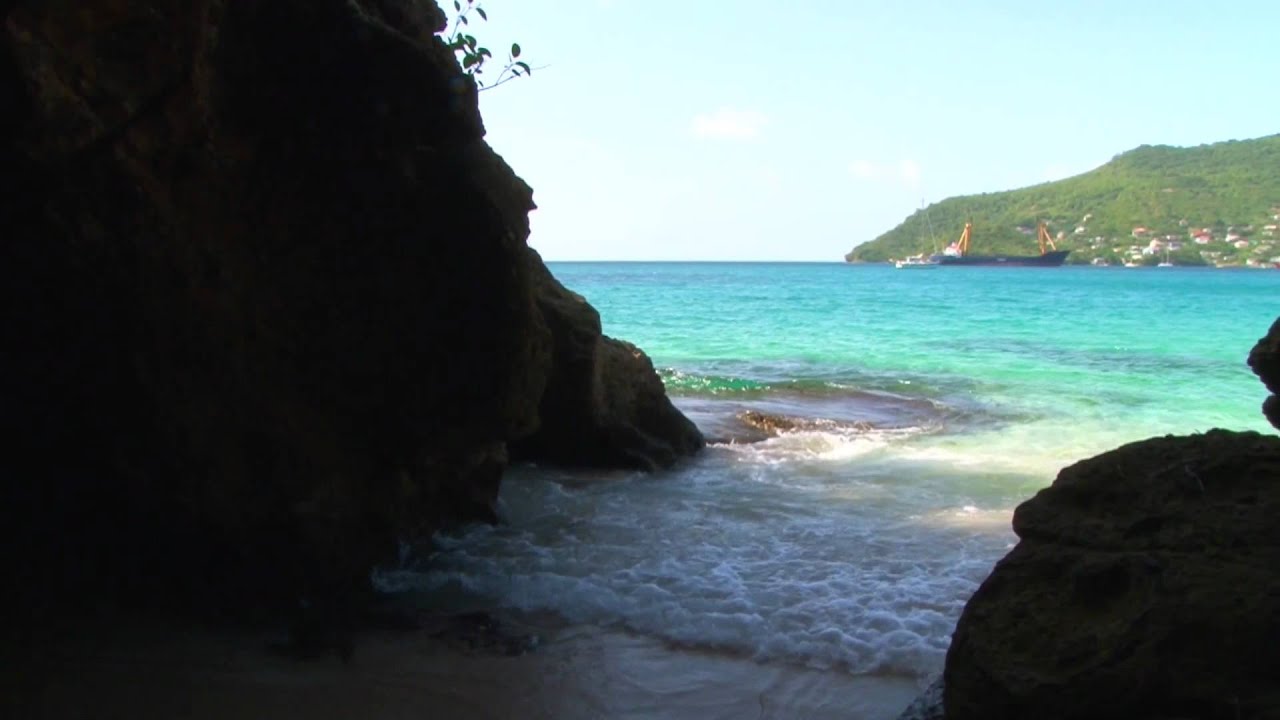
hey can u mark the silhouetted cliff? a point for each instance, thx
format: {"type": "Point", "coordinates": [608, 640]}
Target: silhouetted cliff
{"type": "Point", "coordinates": [268, 306]}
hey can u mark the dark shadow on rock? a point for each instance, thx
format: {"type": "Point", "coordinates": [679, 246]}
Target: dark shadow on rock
{"type": "Point", "coordinates": [1265, 361]}
{"type": "Point", "coordinates": [267, 306]}
{"type": "Point", "coordinates": [1143, 585]}
{"type": "Point", "coordinates": [604, 405]}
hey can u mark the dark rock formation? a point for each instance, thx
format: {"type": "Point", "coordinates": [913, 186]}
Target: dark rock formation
{"type": "Point", "coordinates": [604, 404]}
{"type": "Point", "coordinates": [267, 303]}
{"type": "Point", "coordinates": [927, 705]}
{"type": "Point", "coordinates": [1265, 361]}
{"type": "Point", "coordinates": [1144, 586]}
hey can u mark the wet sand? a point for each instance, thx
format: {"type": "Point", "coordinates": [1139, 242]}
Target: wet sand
{"type": "Point", "coordinates": [156, 671]}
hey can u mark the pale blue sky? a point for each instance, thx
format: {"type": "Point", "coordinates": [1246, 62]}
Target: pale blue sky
{"type": "Point", "coordinates": [753, 130]}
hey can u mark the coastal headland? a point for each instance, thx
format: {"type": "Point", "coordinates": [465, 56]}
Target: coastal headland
{"type": "Point", "coordinates": [1214, 205]}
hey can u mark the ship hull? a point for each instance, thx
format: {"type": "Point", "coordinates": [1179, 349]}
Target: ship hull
{"type": "Point", "coordinates": [1049, 259]}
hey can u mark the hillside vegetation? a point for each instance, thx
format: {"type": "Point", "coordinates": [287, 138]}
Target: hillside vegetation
{"type": "Point", "coordinates": [1228, 188]}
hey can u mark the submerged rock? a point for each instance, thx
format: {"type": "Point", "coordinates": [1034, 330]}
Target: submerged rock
{"type": "Point", "coordinates": [772, 424]}
{"type": "Point", "coordinates": [1144, 585]}
{"type": "Point", "coordinates": [267, 302]}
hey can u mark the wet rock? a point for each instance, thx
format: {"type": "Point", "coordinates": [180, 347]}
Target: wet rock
{"type": "Point", "coordinates": [772, 424]}
{"type": "Point", "coordinates": [769, 424]}
{"type": "Point", "coordinates": [927, 705]}
{"type": "Point", "coordinates": [1265, 361]}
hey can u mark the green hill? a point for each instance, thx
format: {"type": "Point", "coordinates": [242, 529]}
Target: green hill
{"type": "Point", "coordinates": [1228, 187]}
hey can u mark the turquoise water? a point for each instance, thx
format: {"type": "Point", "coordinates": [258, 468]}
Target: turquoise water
{"type": "Point", "coordinates": [923, 406]}
{"type": "Point", "coordinates": [1073, 360]}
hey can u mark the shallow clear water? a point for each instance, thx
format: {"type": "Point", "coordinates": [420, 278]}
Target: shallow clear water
{"type": "Point", "coordinates": [929, 404]}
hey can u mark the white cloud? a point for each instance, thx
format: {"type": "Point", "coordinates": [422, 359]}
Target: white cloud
{"type": "Point", "coordinates": [864, 169]}
{"type": "Point", "coordinates": [770, 178]}
{"type": "Point", "coordinates": [909, 171]}
{"type": "Point", "coordinates": [729, 124]}
{"type": "Point", "coordinates": [906, 171]}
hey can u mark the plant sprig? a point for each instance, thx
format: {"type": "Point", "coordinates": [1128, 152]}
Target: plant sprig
{"type": "Point", "coordinates": [475, 56]}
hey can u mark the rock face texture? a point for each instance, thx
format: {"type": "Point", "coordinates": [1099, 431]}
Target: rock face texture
{"type": "Point", "coordinates": [1144, 586]}
{"type": "Point", "coordinates": [1265, 361]}
{"type": "Point", "coordinates": [267, 303]}
{"type": "Point", "coordinates": [604, 404]}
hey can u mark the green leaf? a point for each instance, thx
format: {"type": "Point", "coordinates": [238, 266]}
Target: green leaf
{"type": "Point", "coordinates": [457, 6]}
{"type": "Point", "coordinates": [525, 66]}
{"type": "Point", "coordinates": [484, 51]}
{"type": "Point", "coordinates": [515, 50]}
{"type": "Point", "coordinates": [468, 61]}
{"type": "Point", "coordinates": [480, 11]}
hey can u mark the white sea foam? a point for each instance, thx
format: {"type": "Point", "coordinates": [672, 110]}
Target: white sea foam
{"type": "Point", "coordinates": [1035, 449]}
{"type": "Point", "coordinates": [773, 550]}
{"type": "Point", "coordinates": [834, 445]}
{"type": "Point", "coordinates": [862, 619]}
{"type": "Point", "coordinates": [970, 516]}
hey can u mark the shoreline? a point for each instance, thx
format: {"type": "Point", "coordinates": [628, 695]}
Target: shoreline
{"type": "Point", "coordinates": [144, 669]}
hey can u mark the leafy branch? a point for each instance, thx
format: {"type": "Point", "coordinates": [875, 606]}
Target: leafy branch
{"type": "Point", "coordinates": [473, 56]}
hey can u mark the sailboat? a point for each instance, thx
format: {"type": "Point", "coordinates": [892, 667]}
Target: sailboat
{"type": "Point", "coordinates": [957, 253]}
{"type": "Point", "coordinates": [1166, 262]}
{"type": "Point", "coordinates": [920, 262]}
{"type": "Point", "coordinates": [916, 262]}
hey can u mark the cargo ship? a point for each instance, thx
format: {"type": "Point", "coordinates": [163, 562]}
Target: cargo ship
{"type": "Point", "coordinates": [957, 253]}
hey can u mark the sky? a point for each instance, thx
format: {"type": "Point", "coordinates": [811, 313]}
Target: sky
{"type": "Point", "coordinates": [753, 130]}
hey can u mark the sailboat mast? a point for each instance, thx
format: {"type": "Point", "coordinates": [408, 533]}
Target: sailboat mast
{"type": "Point", "coordinates": [932, 238]}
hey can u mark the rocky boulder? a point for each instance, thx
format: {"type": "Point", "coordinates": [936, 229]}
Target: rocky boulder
{"type": "Point", "coordinates": [1144, 586]}
{"type": "Point", "coordinates": [604, 405]}
{"type": "Point", "coordinates": [1265, 361]}
{"type": "Point", "coordinates": [267, 306]}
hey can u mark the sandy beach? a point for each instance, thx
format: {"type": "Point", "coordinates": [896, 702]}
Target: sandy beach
{"type": "Point", "coordinates": [155, 670]}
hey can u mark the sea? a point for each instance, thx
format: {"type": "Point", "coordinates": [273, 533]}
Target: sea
{"type": "Point", "coordinates": [917, 409]}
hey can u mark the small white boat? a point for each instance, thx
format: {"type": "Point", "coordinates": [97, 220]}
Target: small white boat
{"type": "Point", "coordinates": [916, 262]}
{"type": "Point", "coordinates": [920, 261]}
